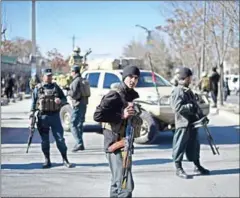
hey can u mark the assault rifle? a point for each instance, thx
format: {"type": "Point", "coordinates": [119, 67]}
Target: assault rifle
{"type": "Point", "coordinates": [128, 148]}
{"type": "Point", "coordinates": [85, 56]}
{"type": "Point", "coordinates": [31, 129]}
{"type": "Point", "coordinates": [202, 121]}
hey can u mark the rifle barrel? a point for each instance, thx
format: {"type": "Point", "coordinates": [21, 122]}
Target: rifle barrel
{"type": "Point", "coordinates": [211, 141]}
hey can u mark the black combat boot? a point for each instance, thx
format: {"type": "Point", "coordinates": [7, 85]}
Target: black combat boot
{"type": "Point", "coordinates": [66, 162]}
{"type": "Point", "coordinates": [180, 172]}
{"type": "Point", "coordinates": [47, 163]}
{"type": "Point", "coordinates": [200, 170]}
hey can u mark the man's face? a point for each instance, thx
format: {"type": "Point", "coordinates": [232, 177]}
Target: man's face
{"type": "Point", "coordinates": [131, 81]}
{"type": "Point", "coordinates": [72, 73]}
{"type": "Point", "coordinates": [188, 80]}
{"type": "Point", "coordinates": [47, 78]}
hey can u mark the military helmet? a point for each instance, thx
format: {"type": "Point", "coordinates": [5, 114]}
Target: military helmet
{"type": "Point", "coordinates": [77, 49]}
{"type": "Point", "coordinates": [177, 71]}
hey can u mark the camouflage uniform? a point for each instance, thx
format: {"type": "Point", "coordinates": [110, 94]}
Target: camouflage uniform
{"type": "Point", "coordinates": [76, 58]}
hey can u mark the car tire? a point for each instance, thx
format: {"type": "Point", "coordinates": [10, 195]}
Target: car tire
{"type": "Point", "coordinates": [65, 116]}
{"type": "Point", "coordinates": [149, 129]}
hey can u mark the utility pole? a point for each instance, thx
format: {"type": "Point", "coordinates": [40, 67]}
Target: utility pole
{"type": "Point", "coordinates": [73, 42]}
{"type": "Point", "coordinates": [33, 57]}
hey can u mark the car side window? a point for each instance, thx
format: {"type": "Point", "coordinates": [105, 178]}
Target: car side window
{"type": "Point", "coordinates": [93, 79]}
{"type": "Point", "coordinates": [110, 79]}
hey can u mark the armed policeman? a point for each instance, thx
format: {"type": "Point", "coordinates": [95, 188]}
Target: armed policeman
{"type": "Point", "coordinates": [185, 139]}
{"type": "Point", "coordinates": [48, 98]}
{"type": "Point", "coordinates": [114, 110]}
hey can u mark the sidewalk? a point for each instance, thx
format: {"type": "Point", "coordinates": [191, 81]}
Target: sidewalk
{"type": "Point", "coordinates": [233, 108]}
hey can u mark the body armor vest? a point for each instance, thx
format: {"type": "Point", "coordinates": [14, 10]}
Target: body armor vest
{"type": "Point", "coordinates": [75, 59]}
{"type": "Point", "coordinates": [46, 99]}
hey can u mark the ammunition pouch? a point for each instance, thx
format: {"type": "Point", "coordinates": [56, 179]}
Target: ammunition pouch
{"type": "Point", "coordinates": [117, 128]}
{"type": "Point", "coordinates": [46, 100]}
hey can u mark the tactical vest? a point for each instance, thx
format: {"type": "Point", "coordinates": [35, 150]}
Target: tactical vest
{"type": "Point", "coordinates": [75, 60]}
{"type": "Point", "coordinates": [46, 99]}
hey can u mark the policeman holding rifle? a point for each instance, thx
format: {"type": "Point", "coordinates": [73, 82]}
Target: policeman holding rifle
{"type": "Point", "coordinates": [185, 138]}
{"type": "Point", "coordinates": [48, 98]}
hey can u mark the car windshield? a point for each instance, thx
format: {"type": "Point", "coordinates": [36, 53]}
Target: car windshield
{"type": "Point", "coordinates": [145, 80]}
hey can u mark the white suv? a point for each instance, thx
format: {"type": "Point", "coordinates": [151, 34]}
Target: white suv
{"type": "Point", "coordinates": [155, 118]}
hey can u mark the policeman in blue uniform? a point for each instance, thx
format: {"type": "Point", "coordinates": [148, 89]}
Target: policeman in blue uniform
{"type": "Point", "coordinates": [48, 98]}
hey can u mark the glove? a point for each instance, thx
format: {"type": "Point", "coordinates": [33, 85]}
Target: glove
{"type": "Point", "coordinates": [205, 121]}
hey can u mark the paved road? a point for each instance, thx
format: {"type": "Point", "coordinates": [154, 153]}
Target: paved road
{"type": "Point", "coordinates": [153, 170]}
{"type": "Point", "coordinates": [233, 99]}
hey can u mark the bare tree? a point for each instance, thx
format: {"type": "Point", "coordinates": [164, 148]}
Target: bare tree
{"type": "Point", "coordinates": [184, 31]}
{"type": "Point", "coordinates": [19, 47]}
{"type": "Point", "coordinates": [159, 53]}
{"type": "Point", "coordinates": [185, 25]}
{"type": "Point", "coordinates": [56, 60]}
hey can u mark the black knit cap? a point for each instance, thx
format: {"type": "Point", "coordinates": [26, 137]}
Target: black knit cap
{"type": "Point", "coordinates": [184, 73]}
{"type": "Point", "coordinates": [130, 70]}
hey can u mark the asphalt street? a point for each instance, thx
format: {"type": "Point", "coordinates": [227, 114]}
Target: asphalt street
{"type": "Point", "coordinates": [234, 99]}
{"type": "Point", "coordinates": [153, 170]}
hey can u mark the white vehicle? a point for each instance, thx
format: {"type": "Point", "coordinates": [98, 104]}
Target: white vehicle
{"type": "Point", "coordinates": [233, 82]}
{"type": "Point", "coordinates": [155, 118]}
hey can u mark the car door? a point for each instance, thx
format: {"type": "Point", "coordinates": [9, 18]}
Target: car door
{"type": "Point", "coordinates": [94, 99]}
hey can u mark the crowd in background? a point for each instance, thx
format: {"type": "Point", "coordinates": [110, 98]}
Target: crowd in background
{"type": "Point", "coordinates": [13, 84]}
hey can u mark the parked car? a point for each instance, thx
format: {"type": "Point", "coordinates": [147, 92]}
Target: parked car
{"type": "Point", "coordinates": [155, 117]}
{"type": "Point", "coordinates": [233, 82]}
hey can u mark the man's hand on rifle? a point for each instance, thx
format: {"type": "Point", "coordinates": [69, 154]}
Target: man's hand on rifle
{"type": "Point", "coordinates": [128, 111]}
{"type": "Point", "coordinates": [205, 120]}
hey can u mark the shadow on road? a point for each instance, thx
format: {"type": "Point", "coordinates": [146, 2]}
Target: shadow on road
{"type": "Point", "coordinates": [223, 172]}
{"type": "Point", "coordinates": [30, 166]}
{"type": "Point", "coordinates": [39, 165]}
{"type": "Point", "coordinates": [221, 135]}
{"type": "Point", "coordinates": [19, 136]}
